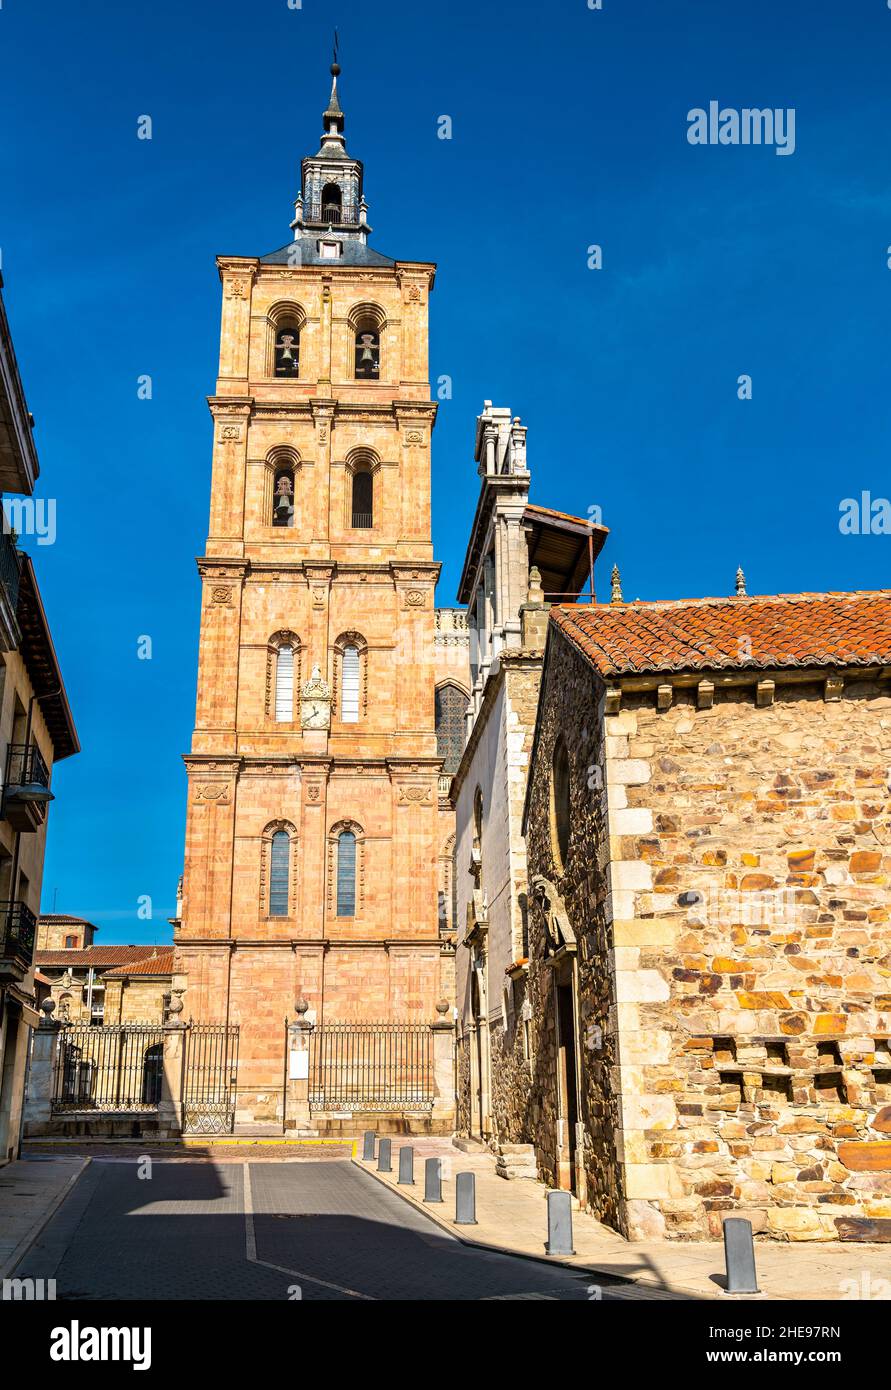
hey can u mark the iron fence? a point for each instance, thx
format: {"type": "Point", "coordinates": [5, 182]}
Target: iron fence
{"type": "Point", "coordinates": [209, 1085]}
{"type": "Point", "coordinates": [371, 1066]}
{"type": "Point", "coordinates": [113, 1068]}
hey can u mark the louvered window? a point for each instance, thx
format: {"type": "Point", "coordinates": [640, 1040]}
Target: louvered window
{"type": "Point", "coordinates": [346, 874]}
{"type": "Point", "coordinates": [279, 856]}
{"type": "Point", "coordinates": [284, 685]}
{"type": "Point", "coordinates": [349, 696]}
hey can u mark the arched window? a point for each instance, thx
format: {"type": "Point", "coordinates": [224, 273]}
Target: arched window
{"type": "Point", "coordinates": [279, 869]}
{"type": "Point", "coordinates": [283, 497]}
{"type": "Point", "coordinates": [368, 351]}
{"type": "Point", "coordinates": [284, 685]}
{"type": "Point", "coordinates": [450, 709]}
{"type": "Point", "coordinates": [560, 790]}
{"type": "Point", "coordinates": [287, 349]}
{"type": "Point", "coordinates": [349, 686]}
{"type": "Point", "coordinates": [363, 499]}
{"type": "Point", "coordinates": [346, 874]}
{"type": "Point", "coordinates": [332, 200]}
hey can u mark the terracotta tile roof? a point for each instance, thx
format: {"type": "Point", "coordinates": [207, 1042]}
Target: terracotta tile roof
{"type": "Point", "coordinates": [99, 957]}
{"type": "Point", "coordinates": [60, 918]}
{"type": "Point", "coordinates": [708, 634]}
{"type": "Point", "coordinates": [161, 963]}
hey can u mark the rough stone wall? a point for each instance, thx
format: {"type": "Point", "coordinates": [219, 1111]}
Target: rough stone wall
{"type": "Point", "coordinates": [569, 706]}
{"type": "Point", "coordinates": [761, 892]}
{"type": "Point", "coordinates": [733, 954]}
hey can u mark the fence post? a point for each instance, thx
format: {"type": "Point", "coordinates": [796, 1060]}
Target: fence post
{"type": "Point", "coordinates": [170, 1106]}
{"type": "Point", "coordinates": [444, 1097]}
{"type": "Point", "coordinates": [297, 1116]}
{"type": "Point", "coordinates": [41, 1077]}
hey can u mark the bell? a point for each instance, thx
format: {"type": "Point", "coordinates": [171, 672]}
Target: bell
{"type": "Point", "coordinates": [284, 509]}
{"type": "Point", "coordinates": [367, 353]}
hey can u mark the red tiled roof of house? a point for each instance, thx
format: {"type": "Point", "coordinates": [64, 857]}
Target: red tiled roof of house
{"type": "Point", "coordinates": [160, 963]}
{"type": "Point", "coordinates": [57, 918]}
{"type": "Point", "coordinates": [99, 957]}
{"type": "Point", "coordinates": [708, 634]}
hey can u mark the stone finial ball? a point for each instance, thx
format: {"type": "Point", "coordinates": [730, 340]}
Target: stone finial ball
{"type": "Point", "coordinates": [301, 1006]}
{"type": "Point", "coordinates": [48, 1007]}
{"type": "Point", "coordinates": [442, 1007]}
{"type": "Point", "coordinates": [335, 69]}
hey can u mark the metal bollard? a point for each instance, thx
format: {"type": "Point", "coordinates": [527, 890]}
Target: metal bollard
{"type": "Point", "coordinates": [407, 1166]}
{"type": "Point", "coordinates": [368, 1144]}
{"type": "Point", "coordinates": [465, 1199]}
{"type": "Point", "coordinates": [739, 1256]}
{"type": "Point", "coordinates": [559, 1224]}
{"type": "Point", "coordinates": [432, 1181]}
{"type": "Point", "coordinates": [383, 1156]}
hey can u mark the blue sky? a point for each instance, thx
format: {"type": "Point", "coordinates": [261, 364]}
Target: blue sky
{"type": "Point", "coordinates": [569, 129]}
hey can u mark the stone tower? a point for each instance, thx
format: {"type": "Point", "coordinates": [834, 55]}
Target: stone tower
{"type": "Point", "coordinates": [311, 840]}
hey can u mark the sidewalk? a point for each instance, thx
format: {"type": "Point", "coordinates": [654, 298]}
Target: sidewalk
{"type": "Point", "coordinates": [31, 1189]}
{"type": "Point", "coordinates": [512, 1217]}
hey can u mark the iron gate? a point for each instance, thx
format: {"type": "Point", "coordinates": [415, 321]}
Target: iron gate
{"type": "Point", "coordinates": [209, 1081]}
{"type": "Point", "coordinates": [371, 1066]}
{"type": "Point", "coordinates": [112, 1068]}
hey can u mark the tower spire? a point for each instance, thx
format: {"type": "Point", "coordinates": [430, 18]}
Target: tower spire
{"type": "Point", "coordinates": [331, 198]}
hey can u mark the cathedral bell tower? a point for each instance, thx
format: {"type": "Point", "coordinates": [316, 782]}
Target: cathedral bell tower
{"type": "Point", "coordinates": [311, 838]}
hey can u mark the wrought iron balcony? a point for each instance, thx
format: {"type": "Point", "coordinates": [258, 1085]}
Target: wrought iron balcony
{"type": "Point", "coordinates": [334, 214]}
{"type": "Point", "coordinates": [18, 927]}
{"type": "Point", "coordinates": [363, 521]}
{"type": "Point", "coordinates": [26, 790]}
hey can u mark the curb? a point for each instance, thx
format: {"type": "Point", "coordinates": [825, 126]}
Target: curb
{"type": "Point", "coordinates": [549, 1261]}
{"type": "Point", "coordinates": [43, 1220]}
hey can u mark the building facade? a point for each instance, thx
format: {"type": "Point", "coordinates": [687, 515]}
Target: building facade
{"type": "Point", "coordinates": [102, 985]}
{"type": "Point", "coordinates": [314, 836]}
{"type": "Point", "coordinates": [707, 830]}
{"type": "Point", "coordinates": [36, 731]}
{"type": "Point", "coordinates": [520, 557]}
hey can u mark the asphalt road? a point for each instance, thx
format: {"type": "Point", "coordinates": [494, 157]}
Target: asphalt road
{"type": "Point", "coordinates": [268, 1231]}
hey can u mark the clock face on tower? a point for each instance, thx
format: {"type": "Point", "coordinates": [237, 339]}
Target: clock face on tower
{"type": "Point", "coordinates": [316, 714]}
{"type": "Point", "coordinates": [315, 702]}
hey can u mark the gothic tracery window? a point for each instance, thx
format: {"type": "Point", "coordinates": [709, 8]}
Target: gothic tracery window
{"type": "Point", "coordinates": [450, 710]}
{"type": "Point", "coordinates": [560, 803]}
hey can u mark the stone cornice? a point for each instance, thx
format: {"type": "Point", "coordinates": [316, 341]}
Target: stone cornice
{"type": "Point", "coordinates": [221, 567]}
{"type": "Point", "coordinates": [225, 763]}
{"type": "Point", "coordinates": [240, 406]}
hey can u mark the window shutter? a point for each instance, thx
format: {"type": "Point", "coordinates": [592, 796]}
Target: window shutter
{"type": "Point", "coordinates": [349, 696]}
{"type": "Point", "coordinates": [279, 856]}
{"type": "Point", "coordinates": [284, 685]}
{"type": "Point", "coordinates": [346, 874]}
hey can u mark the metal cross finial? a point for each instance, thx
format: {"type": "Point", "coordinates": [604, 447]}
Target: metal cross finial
{"type": "Point", "coordinates": [616, 586]}
{"type": "Point", "coordinates": [334, 54]}
{"type": "Point", "coordinates": [740, 584]}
